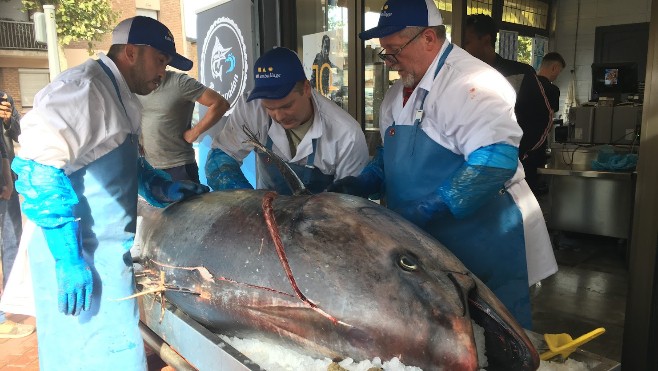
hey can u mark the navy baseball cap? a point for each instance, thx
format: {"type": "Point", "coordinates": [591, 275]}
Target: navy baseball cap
{"type": "Point", "coordinates": [399, 14]}
{"type": "Point", "coordinates": [276, 73]}
{"type": "Point", "coordinates": [148, 31]}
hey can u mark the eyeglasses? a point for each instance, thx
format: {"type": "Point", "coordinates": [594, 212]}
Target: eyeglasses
{"type": "Point", "coordinates": [391, 57]}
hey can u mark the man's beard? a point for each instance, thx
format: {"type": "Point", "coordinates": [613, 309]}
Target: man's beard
{"type": "Point", "coordinates": [409, 81]}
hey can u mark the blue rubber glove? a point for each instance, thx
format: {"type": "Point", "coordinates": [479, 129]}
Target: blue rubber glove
{"type": "Point", "coordinates": [159, 190]}
{"type": "Point", "coordinates": [223, 172]}
{"type": "Point", "coordinates": [362, 186]}
{"type": "Point", "coordinates": [421, 211]}
{"type": "Point", "coordinates": [367, 184]}
{"type": "Point", "coordinates": [171, 191]}
{"type": "Point", "coordinates": [49, 200]}
{"type": "Point", "coordinates": [74, 278]}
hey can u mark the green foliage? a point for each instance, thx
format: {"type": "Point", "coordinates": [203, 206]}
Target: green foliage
{"type": "Point", "coordinates": [78, 20]}
{"type": "Point", "coordinates": [525, 50]}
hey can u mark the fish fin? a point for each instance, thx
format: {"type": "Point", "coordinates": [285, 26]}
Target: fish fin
{"type": "Point", "coordinates": [296, 185]}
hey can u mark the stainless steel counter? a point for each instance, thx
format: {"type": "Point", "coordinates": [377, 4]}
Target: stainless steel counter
{"type": "Point", "coordinates": [587, 173]}
{"type": "Point", "coordinates": [585, 200]}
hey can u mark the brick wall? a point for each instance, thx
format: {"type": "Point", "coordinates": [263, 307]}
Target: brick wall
{"type": "Point", "coordinates": [9, 83]}
{"type": "Point", "coordinates": [194, 72]}
{"type": "Point", "coordinates": [169, 14]}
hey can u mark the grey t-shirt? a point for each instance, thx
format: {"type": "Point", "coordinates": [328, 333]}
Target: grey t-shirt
{"type": "Point", "coordinates": [167, 115]}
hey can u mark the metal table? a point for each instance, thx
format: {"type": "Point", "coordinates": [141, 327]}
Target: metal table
{"type": "Point", "coordinates": [589, 201]}
{"type": "Point", "coordinates": [177, 335]}
{"type": "Point", "coordinates": [186, 345]}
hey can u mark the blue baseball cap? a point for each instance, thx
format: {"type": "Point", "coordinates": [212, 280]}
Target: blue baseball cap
{"type": "Point", "coordinates": [276, 73]}
{"type": "Point", "coordinates": [148, 31]}
{"type": "Point", "coordinates": [399, 14]}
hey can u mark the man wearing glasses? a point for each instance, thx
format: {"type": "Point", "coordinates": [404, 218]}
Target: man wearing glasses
{"type": "Point", "coordinates": [449, 162]}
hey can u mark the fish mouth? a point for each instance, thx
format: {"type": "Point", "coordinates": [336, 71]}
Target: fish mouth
{"type": "Point", "coordinates": [507, 345]}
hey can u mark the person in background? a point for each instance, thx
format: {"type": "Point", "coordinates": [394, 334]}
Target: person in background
{"type": "Point", "coordinates": [319, 140]}
{"type": "Point", "coordinates": [533, 110]}
{"type": "Point", "coordinates": [10, 211]}
{"type": "Point", "coordinates": [79, 173]}
{"type": "Point", "coordinates": [551, 65]}
{"type": "Point", "coordinates": [167, 134]}
{"type": "Point", "coordinates": [449, 162]}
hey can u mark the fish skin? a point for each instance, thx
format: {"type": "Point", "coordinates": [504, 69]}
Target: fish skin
{"type": "Point", "coordinates": [344, 253]}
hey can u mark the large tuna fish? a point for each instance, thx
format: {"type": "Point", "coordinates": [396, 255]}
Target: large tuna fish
{"type": "Point", "coordinates": [329, 275]}
{"type": "Point", "coordinates": [370, 283]}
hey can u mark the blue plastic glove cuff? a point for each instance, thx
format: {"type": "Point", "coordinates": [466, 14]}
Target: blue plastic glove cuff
{"type": "Point", "coordinates": [500, 155]}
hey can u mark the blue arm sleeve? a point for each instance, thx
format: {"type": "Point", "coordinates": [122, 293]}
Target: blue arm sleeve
{"type": "Point", "coordinates": [223, 172]}
{"type": "Point", "coordinates": [48, 195]}
{"type": "Point", "coordinates": [484, 174]}
{"type": "Point", "coordinates": [49, 199]}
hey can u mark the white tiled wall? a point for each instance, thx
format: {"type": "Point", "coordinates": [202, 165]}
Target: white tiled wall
{"type": "Point", "coordinates": [593, 13]}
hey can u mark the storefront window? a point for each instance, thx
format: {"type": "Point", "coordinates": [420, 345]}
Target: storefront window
{"type": "Point", "coordinates": [479, 7]}
{"type": "Point", "coordinates": [323, 29]}
{"type": "Point", "coordinates": [527, 44]}
{"type": "Point", "coordinates": [531, 13]}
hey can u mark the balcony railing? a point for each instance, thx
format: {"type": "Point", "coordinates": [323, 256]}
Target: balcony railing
{"type": "Point", "coordinates": [18, 35]}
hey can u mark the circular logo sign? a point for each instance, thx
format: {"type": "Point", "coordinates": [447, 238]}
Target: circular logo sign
{"type": "Point", "coordinates": [223, 66]}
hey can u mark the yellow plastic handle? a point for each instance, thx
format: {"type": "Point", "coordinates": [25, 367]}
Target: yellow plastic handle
{"type": "Point", "coordinates": [564, 345]}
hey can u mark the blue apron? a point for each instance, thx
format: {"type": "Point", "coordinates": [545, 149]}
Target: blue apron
{"type": "Point", "coordinates": [490, 243]}
{"type": "Point", "coordinates": [270, 176]}
{"type": "Point", "coordinates": [106, 337]}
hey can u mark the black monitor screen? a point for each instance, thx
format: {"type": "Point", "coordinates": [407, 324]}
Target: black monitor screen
{"type": "Point", "coordinates": [611, 79]}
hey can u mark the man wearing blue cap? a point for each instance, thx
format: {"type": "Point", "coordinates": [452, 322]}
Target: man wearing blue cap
{"type": "Point", "coordinates": [320, 141]}
{"type": "Point", "coordinates": [79, 174]}
{"type": "Point", "coordinates": [450, 160]}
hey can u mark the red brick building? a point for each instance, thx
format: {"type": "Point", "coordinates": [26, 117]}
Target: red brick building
{"type": "Point", "coordinates": [24, 63]}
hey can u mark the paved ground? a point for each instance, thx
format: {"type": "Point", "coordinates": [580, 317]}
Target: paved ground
{"type": "Point", "coordinates": [19, 354]}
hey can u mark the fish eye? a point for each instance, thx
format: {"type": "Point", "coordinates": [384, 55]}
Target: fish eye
{"type": "Point", "coordinates": [408, 263]}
